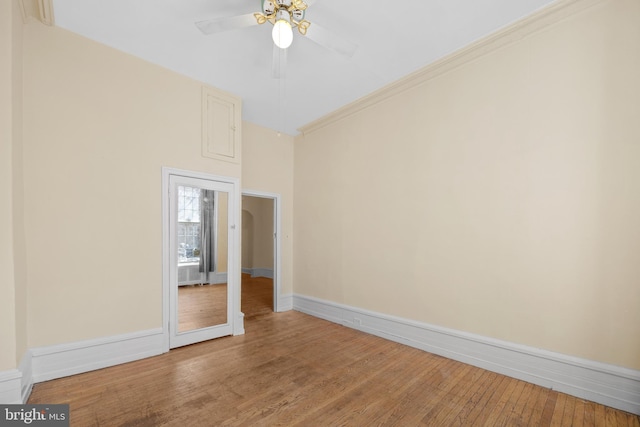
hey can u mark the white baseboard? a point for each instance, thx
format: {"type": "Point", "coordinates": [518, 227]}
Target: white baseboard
{"type": "Point", "coordinates": [598, 382]}
{"type": "Point", "coordinates": [285, 303]}
{"type": "Point", "coordinates": [259, 272]}
{"type": "Point", "coordinates": [62, 360]}
{"type": "Point", "coordinates": [238, 327]}
{"type": "Point", "coordinates": [262, 272]}
{"type": "Point", "coordinates": [219, 278]}
{"type": "Point", "coordinates": [27, 376]}
{"type": "Point", "coordinates": [10, 381]}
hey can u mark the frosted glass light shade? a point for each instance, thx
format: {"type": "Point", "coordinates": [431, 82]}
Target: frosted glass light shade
{"type": "Point", "coordinates": [282, 34]}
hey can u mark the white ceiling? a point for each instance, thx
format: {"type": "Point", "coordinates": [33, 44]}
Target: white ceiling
{"type": "Point", "coordinates": [394, 39]}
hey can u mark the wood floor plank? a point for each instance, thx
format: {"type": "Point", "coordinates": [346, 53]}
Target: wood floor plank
{"type": "Point", "coordinates": [511, 411]}
{"type": "Point", "coordinates": [567, 416]}
{"type": "Point", "coordinates": [610, 417]}
{"type": "Point", "coordinates": [329, 397]}
{"type": "Point", "coordinates": [477, 399]}
{"type": "Point", "coordinates": [531, 403]}
{"type": "Point", "coordinates": [441, 396]}
{"type": "Point", "coordinates": [503, 400]}
{"type": "Point", "coordinates": [578, 412]}
{"type": "Point", "coordinates": [558, 413]}
{"type": "Point", "coordinates": [589, 414]}
{"type": "Point", "coordinates": [600, 415]}
{"type": "Point", "coordinates": [420, 388]}
{"type": "Point", "coordinates": [479, 414]}
{"type": "Point", "coordinates": [457, 397]}
{"type": "Point", "coordinates": [521, 411]}
{"type": "Point", "coordinates": [293, 369]}
{"type": "Point", "coordinates": [549, 408]}
{"type": "Point", "coordinates": [201, 306]}
{"type": "Point", "coordinates": [371, 400]}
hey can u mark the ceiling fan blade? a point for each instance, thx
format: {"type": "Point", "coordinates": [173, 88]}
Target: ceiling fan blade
{"type": "Point", "coordinates": [279, 63]}
{"type": "Point", "coordinates": [225, 24]}
{"type": "Point", "coordinates": [326, 38]}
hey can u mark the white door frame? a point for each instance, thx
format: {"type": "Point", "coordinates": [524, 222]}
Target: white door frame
{"type": "Point", "coordinates": [233, 275]}
{"type": "Point", "coordinates": [277, 249]}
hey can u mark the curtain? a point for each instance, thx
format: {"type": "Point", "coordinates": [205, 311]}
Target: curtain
{"type": "Point", "coordinates": [207, 236]}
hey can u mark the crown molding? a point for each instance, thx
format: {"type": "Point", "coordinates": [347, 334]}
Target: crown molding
{"type": "Point", "coordinates": [543, 18]}
{"type": "Point", "coordinates": [42, 10]}
{"type": "Point", "coordinates": [23, 10]}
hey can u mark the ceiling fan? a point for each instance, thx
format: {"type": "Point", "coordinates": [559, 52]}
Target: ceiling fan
{"type": "Point", "coordinates": [284, 15]}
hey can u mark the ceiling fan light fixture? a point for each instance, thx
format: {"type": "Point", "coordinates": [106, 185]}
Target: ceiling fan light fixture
{"type": "Point", "coordinates": [282, 34]}
{"type": "Point", "coordinates": [260, 18]}
{"type": "Point", "coordinates": [303, 26]}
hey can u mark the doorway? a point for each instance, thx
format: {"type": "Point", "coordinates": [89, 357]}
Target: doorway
{"type": "Point", "coordinates": [261, 247]}
{"type": "Point", "coordinates": [201, 283]}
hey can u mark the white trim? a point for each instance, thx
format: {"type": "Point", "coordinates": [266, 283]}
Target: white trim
{"type": "Point", "coordinates": [10, 382]}
{"type": "Point", "coordinates": [259, 272]}
{"type": "Point", "coordinates": [233, 125]}
{"type": "Point", "coordinates": [285, 303]}
{"type": "Point", "coordinates": [62, 360]}
{"type": "Point", "coordinates": [277, 250]}
{"type": "Point", "coordinates": [25, 14]}
{"type": "Point", "coordinates": [263, 272]}
{"type": "Point", "coordinates": [543, 18]}
{"type": "Point", "coordinates": [599, 382]}
{"type": "Point", "coordinates": [27, 376]}
{"type": "Point", "coordinates": [57, 361]}
{"type": "Point", "coordinates": [216, 210]}
{"type": "Point", "coordinates": [166, 259]}
{"type": "Point", "coordinates": [219, 278]}
{"type": "Point", "coordinates": [239, 324]}
{"type": "Point", "coordinates": [233, 275]}
{"type": "Point", "coordinates": [45, 8]}
{"type": "Point", "coordinates": [176, 337]}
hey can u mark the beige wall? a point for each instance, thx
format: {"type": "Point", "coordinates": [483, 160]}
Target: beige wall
{"type": "Point", "coordinates": [20, 258]}
{"type": "Point", "coordinates": [99, 125]}
{"type": "Point", "coordinates": [7, 282]}
{"type": "Point", "coordinates": [267, 165]}
{"type": "Point", "coordinates": [500, 198]}
{"type": "Point", "coordinates": [257, 232]}
{"type": "Point", "coordinates": [12, 260]}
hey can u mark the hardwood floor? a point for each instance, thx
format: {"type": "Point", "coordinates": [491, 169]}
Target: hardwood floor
{"type": "Point", "coordinates": [257, 296]}
{"type": "Point", "coordinates": [206, 305]}
{"type": "Point", "coordinates": [293, 369]}
{"type": "Point", "coordinates": [201, 306]}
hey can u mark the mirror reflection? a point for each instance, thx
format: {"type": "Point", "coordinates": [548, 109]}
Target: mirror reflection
{"type": "Point", "coordinates": [202, 237]}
